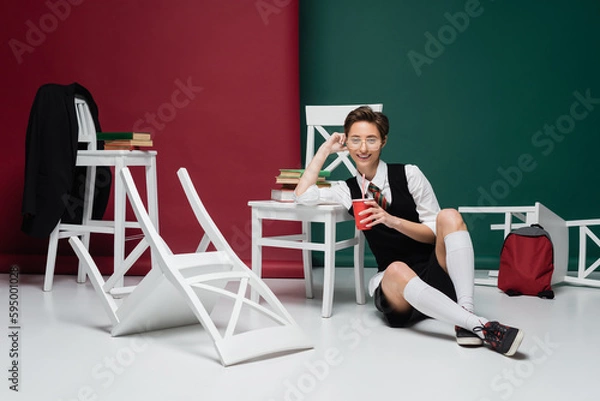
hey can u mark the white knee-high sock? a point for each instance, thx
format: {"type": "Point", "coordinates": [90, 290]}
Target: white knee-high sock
{"type": "Point", "coordinates": [437, 305]}
{"type": "Point", "coordinates": [460, 262]}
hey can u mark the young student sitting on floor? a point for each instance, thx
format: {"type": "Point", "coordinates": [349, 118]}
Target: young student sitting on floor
{"type": "Point", "coordinates": [424, 254]}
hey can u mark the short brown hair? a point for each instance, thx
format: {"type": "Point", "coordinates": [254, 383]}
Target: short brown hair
{"type": "Point", "coordinates": [365, 113]}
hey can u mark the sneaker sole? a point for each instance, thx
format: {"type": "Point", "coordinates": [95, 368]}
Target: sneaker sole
{"type": "Point", "coordinates": [515, 345]}
{"type": "Point", "coordinates": [469, 341]}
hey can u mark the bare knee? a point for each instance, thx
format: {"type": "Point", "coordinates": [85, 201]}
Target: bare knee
{"type": "Point", "coordinates": [395, 278]}
{"type": "Point", "coordinates": [448, 221]}
{"type": "Point", "coordinates": [397, 275]}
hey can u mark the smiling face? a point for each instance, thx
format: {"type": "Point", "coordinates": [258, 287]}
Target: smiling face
{"type": "Point", "coordinates": [364, 142]}
{"type": "Point", "coordinates": [366, 133]}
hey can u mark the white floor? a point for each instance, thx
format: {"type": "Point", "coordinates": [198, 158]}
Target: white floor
{"type": "Point", "coordinates": [66, 352]}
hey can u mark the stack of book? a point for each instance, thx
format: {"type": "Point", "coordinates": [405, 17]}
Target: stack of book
{"type": "Point", "coordinates": [287, 181]}
{"type": "Point", "coordinates": [124, 140]}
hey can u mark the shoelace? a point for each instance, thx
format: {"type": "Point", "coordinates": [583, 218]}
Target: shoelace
{"type": "Point", "coordinates": [486, 331]}
{"type": "Point", "coordinates": [493, 330]}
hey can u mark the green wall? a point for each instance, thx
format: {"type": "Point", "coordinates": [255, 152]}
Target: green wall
{"type": "Point", "coordinates": [486, 97]}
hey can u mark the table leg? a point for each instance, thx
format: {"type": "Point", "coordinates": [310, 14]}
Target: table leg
{"type": "Point", "coordinates": [151, 192]}
{"type": "Point", "coordinates": [329, 268]}
{"type": "Point", "coordinates": [256, 250]}
{"type": "Point", "coordinates": [152, 196]}
{"type": "Point", "coordinates": [119, 220]}
{"type": "Point", "coordinates": [359, 271]}
{"type": "Point", "coordinates": [307, 260]}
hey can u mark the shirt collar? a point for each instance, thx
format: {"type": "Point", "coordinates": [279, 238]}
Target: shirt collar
{"type": "Point", "coordinates": [380, 178]}
{"type": "Point", "coordinates": [381, 175]}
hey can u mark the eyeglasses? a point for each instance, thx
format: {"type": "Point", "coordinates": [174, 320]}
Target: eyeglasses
{"type": "Point", "coordinates": [355, 143]}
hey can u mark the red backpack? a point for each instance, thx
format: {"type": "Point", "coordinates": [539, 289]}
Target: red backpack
{"type": "Point", "coordinates": [527, 263]}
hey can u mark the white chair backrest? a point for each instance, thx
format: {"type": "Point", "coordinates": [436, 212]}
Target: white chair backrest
{"type": "Point", "coordinates": [211, 230]}
{"type": "Point", "coordinates": [319, 117]}
{"type": "Point", "coordinates": [150, 232]}
{"type": "Point", "coordinates": [87, 128]}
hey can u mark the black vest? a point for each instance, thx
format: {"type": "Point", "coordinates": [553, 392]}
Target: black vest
{"type": "Point", "coordinates": [389, 245]}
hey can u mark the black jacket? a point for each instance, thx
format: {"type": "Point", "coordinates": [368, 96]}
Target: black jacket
{"type": "Point", "coordinates": [54, 186]}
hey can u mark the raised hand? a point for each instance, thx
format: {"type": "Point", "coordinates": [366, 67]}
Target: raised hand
{"type": "Point", "coordinates": [336, 143]}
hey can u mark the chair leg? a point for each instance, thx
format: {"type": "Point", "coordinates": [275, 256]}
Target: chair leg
{"type": "Point", "coordinates": [51, 258]}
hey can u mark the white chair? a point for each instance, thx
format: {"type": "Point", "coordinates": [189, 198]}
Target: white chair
{"type": "Point", "coordinates": [520, 216]}
{"type": "Point", "coordinates": [91, 157]}
{"type": "Point", "coordinates": [199, 287]}
{"type": "Point", "coordinates": [584, 272]}
{"type": "Point", "coordinates": [318, 119]}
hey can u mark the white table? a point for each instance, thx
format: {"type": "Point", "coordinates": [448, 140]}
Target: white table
{"type": "Point", "coordinates": [330, 215]}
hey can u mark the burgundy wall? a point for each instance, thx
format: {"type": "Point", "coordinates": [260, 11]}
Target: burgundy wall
{"type": "Point", "coordinates": [216, 81]}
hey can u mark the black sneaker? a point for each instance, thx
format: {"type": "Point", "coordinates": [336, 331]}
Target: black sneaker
{"type": "Point", "coordinates": [501, 338]}
{"type": "Point", "coordinates": [467, 338]}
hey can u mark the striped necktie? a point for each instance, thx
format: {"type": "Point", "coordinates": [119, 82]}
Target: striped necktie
{"type": "Point", "coordinates": [378, 196]}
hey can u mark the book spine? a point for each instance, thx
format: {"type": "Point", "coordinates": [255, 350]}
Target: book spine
{"type": "Point", "coordinates": [123, 135]}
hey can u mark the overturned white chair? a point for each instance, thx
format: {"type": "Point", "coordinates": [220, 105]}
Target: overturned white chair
{"type": "Point", "coordinates": [520, 216]}
{"type": "Point", "coordinates": [183, 289]}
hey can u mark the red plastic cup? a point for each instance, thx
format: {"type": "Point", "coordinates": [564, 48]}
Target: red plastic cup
{"type": "Point", "coordinates": [358, 205]}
